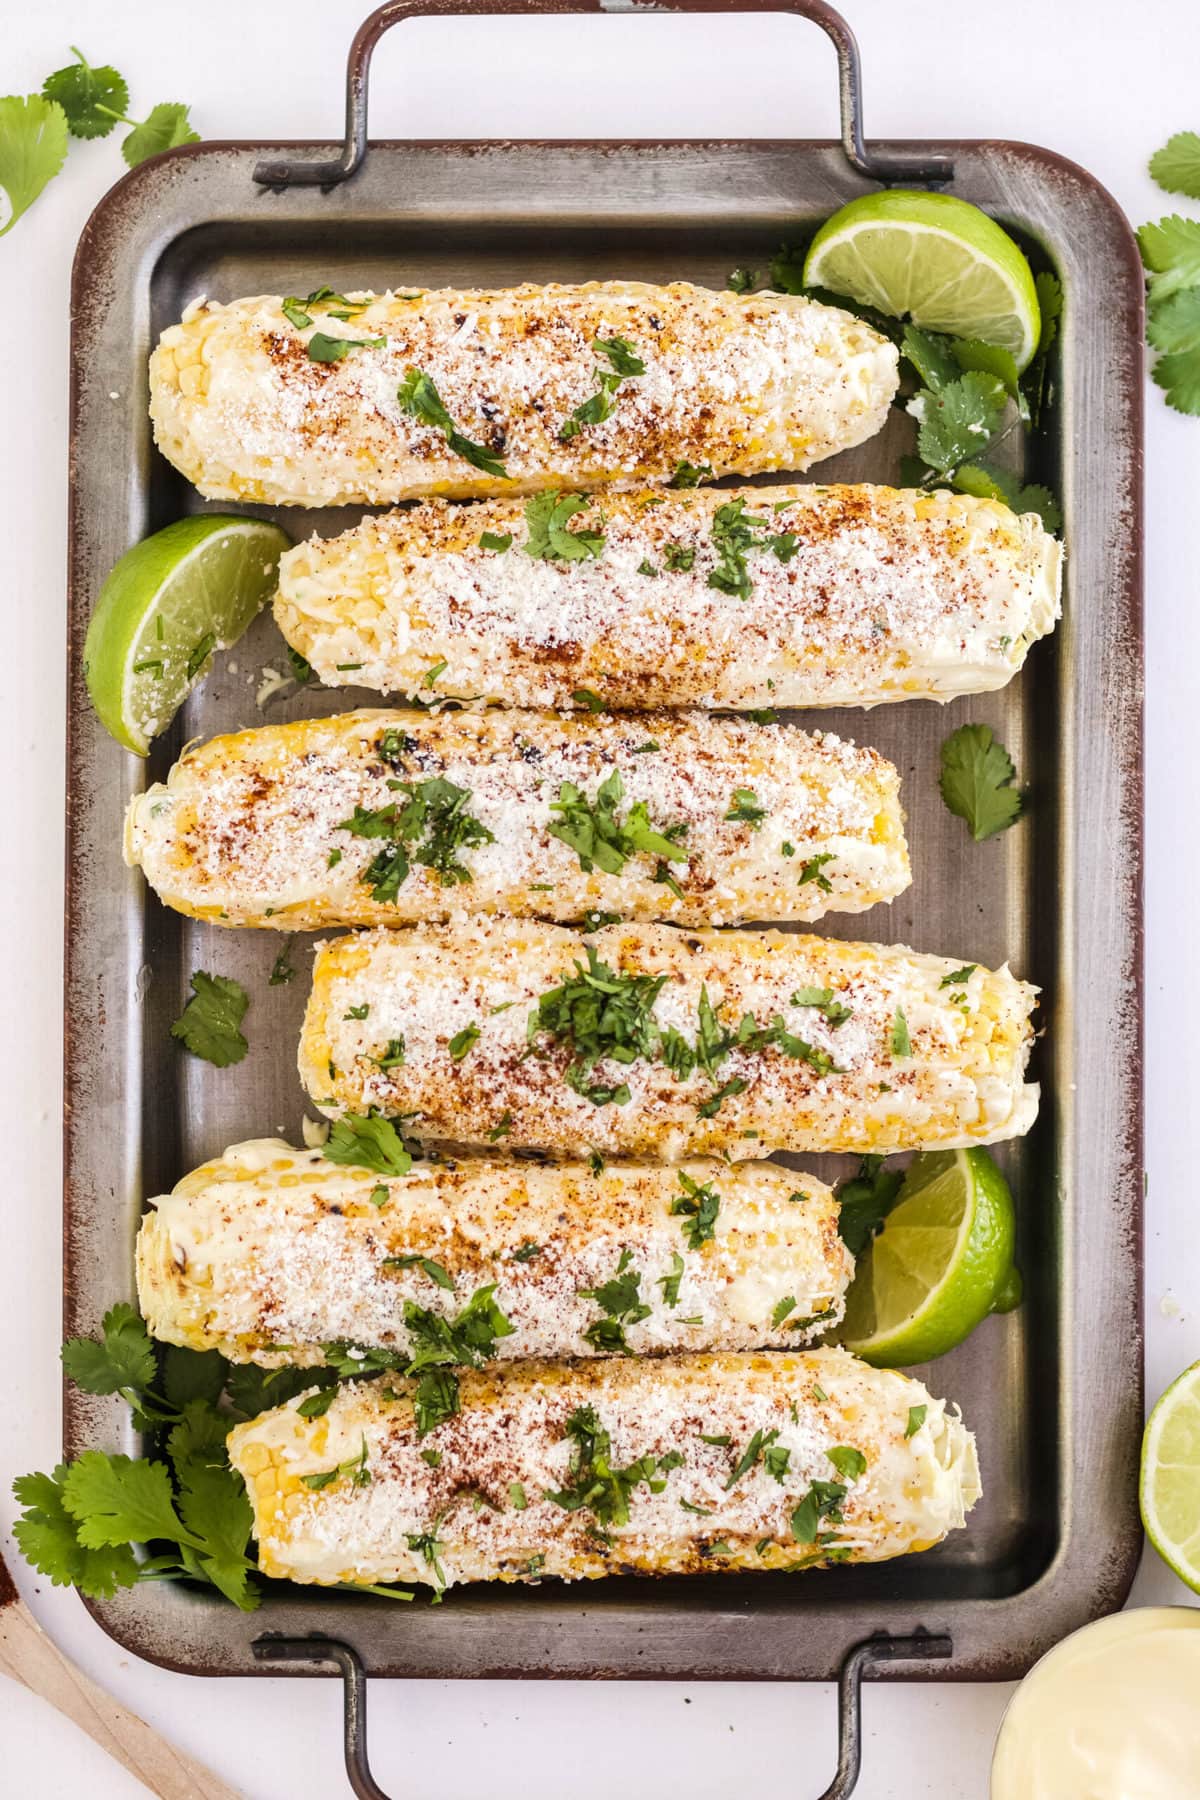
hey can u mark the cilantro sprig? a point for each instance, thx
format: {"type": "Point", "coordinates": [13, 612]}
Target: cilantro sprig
{"type": "Point", "coordinates": [1171, 253]}
{"type": "Point", "coordinates": [94, 101]}
{"type": "Point", "coordinates": [81, 1523]}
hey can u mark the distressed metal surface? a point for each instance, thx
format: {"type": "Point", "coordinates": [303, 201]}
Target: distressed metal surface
{"type": "Point", "coordinates": [1053, 1391]}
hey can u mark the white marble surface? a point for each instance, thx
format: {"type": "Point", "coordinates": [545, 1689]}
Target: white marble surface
{"type": "Point", "coordinates": [1101, 82]}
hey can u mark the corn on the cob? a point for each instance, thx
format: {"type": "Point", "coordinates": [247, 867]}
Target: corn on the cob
{"type": "Point", "coordinates": [516, 390]}
{"type": "Point", "coordinates": [644, 1040]}
{"type": "Point", "coordinates": [298, 826]}
{"type": "Point", "coordinates": [832, 596]}
{"type": "Point", "coordinates": [269, 1245]}
{"type": "Point", "coordinates": [578, 1470]}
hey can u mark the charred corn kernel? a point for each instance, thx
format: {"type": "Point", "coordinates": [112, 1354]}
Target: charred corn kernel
{"type": "Point", "coordinates": [721, 1258]}
{"type": "Point", "coordinates": [814, 1463]}
{"type": "Point", "coordinates": [526, 389]}
{"type": "Point", "coordinates": [266, 827]}
{"type": "Point", "coordinates": [644, 1040]}
{"type": "Point", "coordinates": [842, 596]}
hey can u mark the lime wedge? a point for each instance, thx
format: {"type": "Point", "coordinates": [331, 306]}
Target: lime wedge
{"type": "Point", "coordinates": [941, 1263]}
{"type": "Point", "coordinates": [933, 259]}
{"type": "Point", "coordinates": [1169, 1491]}
{"type": "Point", "coordinates": [167, 605]}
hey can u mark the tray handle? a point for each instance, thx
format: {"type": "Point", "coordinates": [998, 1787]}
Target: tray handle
{"type": "Point", "coordinates": [864, 1657]}
{"type": "Point", "coordinates": [910, 166]}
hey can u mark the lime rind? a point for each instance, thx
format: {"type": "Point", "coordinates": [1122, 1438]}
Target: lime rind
{"type": "Point", "coordinates": [166, 607]}
{"type": "Point", "coordinates": [1169, 1480]}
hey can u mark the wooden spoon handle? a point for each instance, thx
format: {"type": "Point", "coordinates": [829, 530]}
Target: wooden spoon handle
{"type": "Point", "coordinates": [28, 1655]}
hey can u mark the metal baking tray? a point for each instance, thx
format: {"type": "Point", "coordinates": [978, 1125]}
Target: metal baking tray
{"type": "Point", "coordinates": [1054, 1390]}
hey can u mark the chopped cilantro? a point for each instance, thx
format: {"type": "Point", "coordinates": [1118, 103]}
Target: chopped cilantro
{"type": "Point", "coordinates": [419, 397]}
{"type": "Point", "coordinates": [669, 1283]}
{"type": "Point", "coordinates": [866, 1199]}
{"type": "Point", "coordinates": [549, 539]}
{"type": "Point", "coordinates": [624, 364]}
{"type": "Point", "coordinates": [744, 808]}
{"type": "Point", "coordinates": [463, 1041]}
{"type": "Point", "coordinates": [690, 475]}
{"type": "Point", "coordinates": [811, 870]}
{"type": "Point", "coordinates": [591, 828]}
{"type": "Point", "coordinates": [621, 1304]}
{"type": "Point", "coordinates": [699, 1205]}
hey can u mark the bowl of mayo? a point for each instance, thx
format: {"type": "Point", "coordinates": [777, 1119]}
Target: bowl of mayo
{"type": "Point", "coordinates": [1111, 1713]}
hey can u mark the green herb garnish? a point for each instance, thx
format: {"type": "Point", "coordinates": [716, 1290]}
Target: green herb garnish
{"type": "Point", "coordinates": [419, 397]}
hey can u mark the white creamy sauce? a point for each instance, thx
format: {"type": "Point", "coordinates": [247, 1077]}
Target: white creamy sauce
{"type": "Point", "coordinates": [1113, 1713]}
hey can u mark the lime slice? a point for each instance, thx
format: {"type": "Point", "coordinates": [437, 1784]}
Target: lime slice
{"type": "Point", "coordinates": [170, 602]}
{"type": "Point", "coordinates": [1169, 1491]}
{"type": "Point", "coordinates": [940, 1264]}
{"type": "Point", "coordinates": [933, 259]}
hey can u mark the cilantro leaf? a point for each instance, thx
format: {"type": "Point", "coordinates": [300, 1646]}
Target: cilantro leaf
{"type": "Point", "coordinates": [166, 126]}
{"type": "Point", "coordinates": [930, 355]}
{"type": "Point", "coordinates": [977, 781]}
{"type": "Point", "coordinates": [959, 421]}
{"type": "Point", "coordinates": [198, 1440]}
{"type": "Point", "coordinates": [325, 349]}
{"type": "Point", "coordinates": [1179, 378]}
{"type": "Point", "coordinates": [1170, 249]}
{"type": "Point", "coordinates": [208, 1024]}
{"type": "Point", "coordinates": [189, 1375]}
{"type": "Point", "coordinates": [367, 1143]}
{"type": "Point", "coordinates": [418, 396]}
{"type": "Point", "coordinates": [866, 1199]}
{"type": "Point", "coordinates": [215, 1509]}
{"type": "Point", "coordinates": [547, 516]}
{"type": "Point", "coordinates": [988, 483]}
{"type": "Point", "coordinates": [1176, 167]}
{"type": "Point", "coordinates": [118, 1500]}
{"type": "Point", "coordinates": [94, 100]}
{"type": "Point", "coordinates": [48, 1538]}
{"type": "Point", "coordinates": [125, 1358]}
{"type": "Point", "coordinates": [1174, 323]}
{"type": "Point", "coordinates": [601, 840]}
{"type": "Point", "coordinates": [33, 148]}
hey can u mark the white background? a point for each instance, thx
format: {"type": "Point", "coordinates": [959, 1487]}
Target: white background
{"type": "Point", "coordinates": [1101, 81]}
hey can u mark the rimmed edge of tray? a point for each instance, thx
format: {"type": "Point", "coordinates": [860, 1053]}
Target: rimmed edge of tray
{"type": "Point", "coordinates": [1103, 1310]}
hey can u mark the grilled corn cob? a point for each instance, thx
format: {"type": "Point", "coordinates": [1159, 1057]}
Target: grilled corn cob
{"type": "Point", "coordinates": [578, 1470]}
{"type": "Point", "coordinates": [299, 825]}
{"type": "Point", "coordinates": [516, 390]}
{"type": "Point", "coordinates": [643, 1040]}
{"type": "Point", "coordinates": [830, 596]}
{"type": "Point", "coordinates": [269, 1245]}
